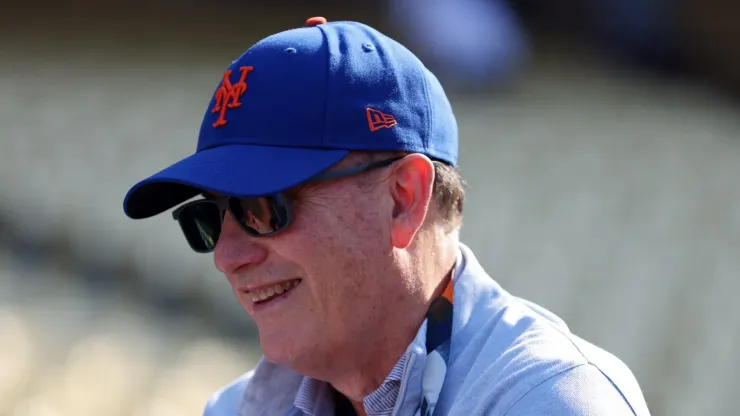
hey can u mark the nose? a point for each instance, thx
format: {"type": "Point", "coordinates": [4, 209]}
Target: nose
{"type": "Point", "coordinates": [235, 248]}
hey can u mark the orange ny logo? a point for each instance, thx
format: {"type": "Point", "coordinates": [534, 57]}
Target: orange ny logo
{"type": "Point", "coordinates": [228, 94]}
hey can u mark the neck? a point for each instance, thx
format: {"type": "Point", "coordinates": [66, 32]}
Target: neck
{"type": "Point", "coordinates": [399, 330]}
{"type": "Point", "coordinates": [359, 409]}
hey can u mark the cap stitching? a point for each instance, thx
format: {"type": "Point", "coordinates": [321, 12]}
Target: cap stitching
{"type": "Point", "coordinates": [430, 110]}
{"type": "Point", "coordinates": [326, 85]}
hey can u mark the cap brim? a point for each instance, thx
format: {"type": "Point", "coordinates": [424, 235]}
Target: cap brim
{"type": "Point", "coordinates": [234, 170]}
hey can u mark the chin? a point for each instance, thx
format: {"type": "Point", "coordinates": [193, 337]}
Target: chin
{"type": "Point", "coordinates": [279, 347]}
{"type": "Point", "coordinates": [289, 350]}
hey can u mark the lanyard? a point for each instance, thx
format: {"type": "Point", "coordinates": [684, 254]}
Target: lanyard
{"type": "Point", "coordinates": [439, 332]}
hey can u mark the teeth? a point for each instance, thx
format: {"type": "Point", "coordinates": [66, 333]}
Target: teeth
{"type": "Point", "coordinates": [270, 292]}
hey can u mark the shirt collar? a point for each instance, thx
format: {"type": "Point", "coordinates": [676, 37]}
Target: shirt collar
{"type": "Point", "coordinates": [312, 393]}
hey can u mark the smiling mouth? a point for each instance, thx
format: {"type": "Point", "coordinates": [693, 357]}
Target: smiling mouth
{"type": "Point", "coordinates": [270, 293]}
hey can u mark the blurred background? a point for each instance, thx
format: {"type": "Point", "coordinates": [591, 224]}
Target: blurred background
{"type": "Point", "coordinates": [600, 140]}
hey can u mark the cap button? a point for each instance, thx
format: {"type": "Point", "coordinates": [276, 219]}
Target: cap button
{"type": "Point", "coordinates": [315, 21]}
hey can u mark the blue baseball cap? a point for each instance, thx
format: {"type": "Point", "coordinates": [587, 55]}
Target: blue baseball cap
{"type": "Point", "coordinates": [295, 104]}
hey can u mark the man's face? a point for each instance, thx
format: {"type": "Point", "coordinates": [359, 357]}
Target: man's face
{"type": "Point", "coordinates": [332, 269]}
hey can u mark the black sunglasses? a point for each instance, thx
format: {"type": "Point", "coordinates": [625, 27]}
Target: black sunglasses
{"type": "Point", "coordinates": [264, 216]}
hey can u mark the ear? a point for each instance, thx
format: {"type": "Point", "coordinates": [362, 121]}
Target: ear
{"type": "Point", "coordinates": [411, 188]}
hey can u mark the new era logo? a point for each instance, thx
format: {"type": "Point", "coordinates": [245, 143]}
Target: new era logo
{"type": "Point", "coordinates": [378, 120]}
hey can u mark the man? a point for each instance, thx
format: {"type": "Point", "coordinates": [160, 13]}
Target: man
{"type": "Point", "coordinates": [365, 300]}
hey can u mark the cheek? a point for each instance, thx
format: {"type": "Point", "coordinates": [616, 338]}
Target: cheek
{"type": "Point", "coordinates": [333, 244]}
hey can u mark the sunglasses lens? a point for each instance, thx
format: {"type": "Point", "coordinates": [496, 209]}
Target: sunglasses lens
{"type": "Point", "coordinates": [201, 224]}
{"type": "Point", "coordinates": [261, 216]}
